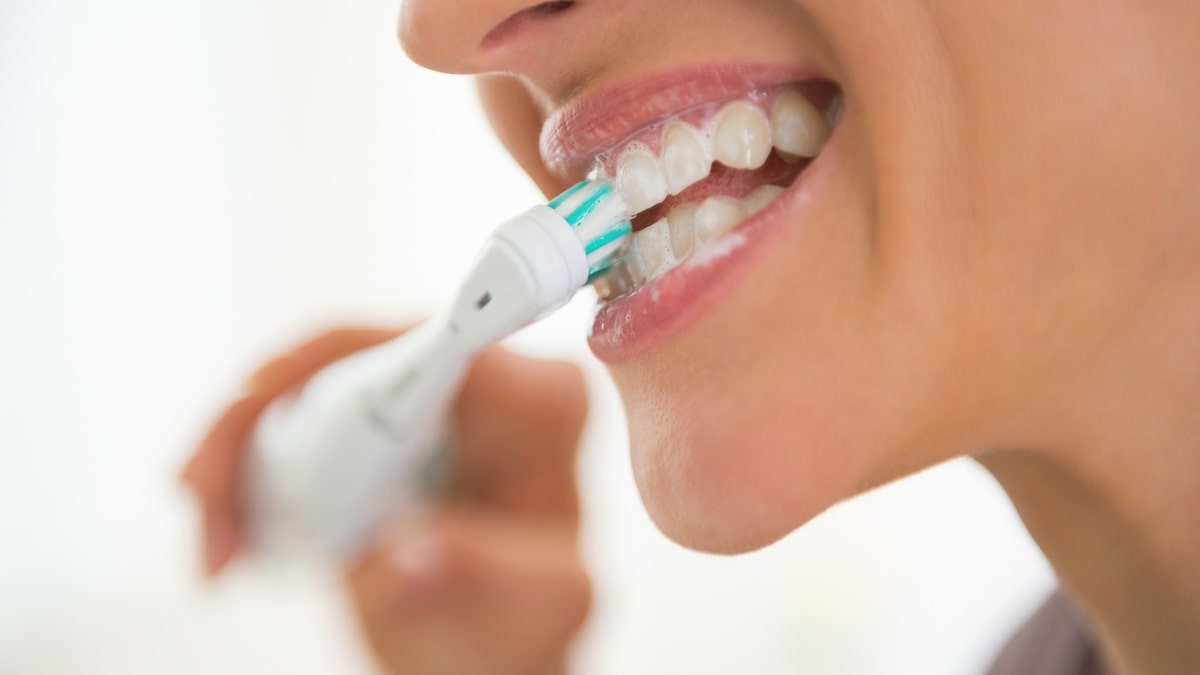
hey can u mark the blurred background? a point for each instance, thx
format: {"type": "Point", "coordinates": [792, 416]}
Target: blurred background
{"type": "Point", "coordinates": [187, 188]}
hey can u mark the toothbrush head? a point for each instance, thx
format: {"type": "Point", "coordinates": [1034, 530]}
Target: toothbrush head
{"type": "Point", "coordinates": [536, 261]}
{"type": "Point", "coordinates": [598, 216]}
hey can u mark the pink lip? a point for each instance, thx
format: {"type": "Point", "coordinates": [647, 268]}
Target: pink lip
{"type": "Point", "coordinates": [631, 325]}
{"type": "Point", "coordinates": [576, 133]}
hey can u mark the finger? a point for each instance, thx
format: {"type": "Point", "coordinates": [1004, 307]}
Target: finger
{"type": "Point", "coordinates": [303, 361]}
{"type": "Point", "coordinates": [222, 537]}
{"type": "Point", "coordinates": [472, 587]}
{"type": "Point", "coordinates": [216, 456]}
{"type": "Point", "coordinates": [520, 420]}
{"type": "Point", "coordinates": [215, 459]}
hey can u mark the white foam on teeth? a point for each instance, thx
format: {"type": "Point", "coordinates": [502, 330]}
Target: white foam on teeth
{"type": "Point", "coordinates": [654, 246]}
{"type": "Point", "coordinates": [687, 231]}
{"type": "Point", "coordinates": [640, 180]}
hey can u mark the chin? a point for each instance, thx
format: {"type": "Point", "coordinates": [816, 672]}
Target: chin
{"type": "Point", "coordinates": [718, 476]}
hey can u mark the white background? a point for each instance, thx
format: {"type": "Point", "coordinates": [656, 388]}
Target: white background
{"type": "Point", "coordinates": [187, 187]}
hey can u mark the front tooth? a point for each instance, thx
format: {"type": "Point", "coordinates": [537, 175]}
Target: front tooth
{"type": "Point", "coordinates": [635, 268]}
{"type": "Point", "coordinates": [797, 126]}
{"type": "Point", "coordinates": [654, 245]}
{"type": "Point", "coordinates": [762, 195]}
{"type": "Point", "coordinates": [640, 180]}
{"type": "Point", "coordinates": [683, 229]}
{"type": "Point", "coordinates": [742, 139]}
{"type": "Point", "coordinates": [685, 157]}
{"type": "Point", "coordinates": [718, 215]}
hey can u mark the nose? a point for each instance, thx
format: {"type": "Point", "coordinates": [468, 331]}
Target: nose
{"type": "Point", "coordinates": [477, 36]}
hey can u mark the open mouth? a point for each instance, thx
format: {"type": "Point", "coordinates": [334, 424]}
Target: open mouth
{"type": "Point", "coordinates": [698, 173]}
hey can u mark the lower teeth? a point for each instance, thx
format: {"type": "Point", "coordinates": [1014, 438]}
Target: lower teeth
{"type": "Point", "coordinates": [658, 248]}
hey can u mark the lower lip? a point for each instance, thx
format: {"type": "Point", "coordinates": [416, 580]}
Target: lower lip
{"type": "Point", "coordinates": [650, 318]}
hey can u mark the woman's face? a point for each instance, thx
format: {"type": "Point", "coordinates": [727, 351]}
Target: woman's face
{"type": "Point", "coordinates": [1002, 189]}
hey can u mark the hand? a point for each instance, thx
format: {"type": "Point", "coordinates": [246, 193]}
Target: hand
{"type": "Point", "coordinates": [491, 581]}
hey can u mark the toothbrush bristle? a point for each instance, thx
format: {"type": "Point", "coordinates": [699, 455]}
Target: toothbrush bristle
{"type": "Point", "coordinates": [598, 216]}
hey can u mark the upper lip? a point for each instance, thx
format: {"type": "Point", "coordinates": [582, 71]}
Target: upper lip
{"type": "Point", "coordinates": [573, 136]}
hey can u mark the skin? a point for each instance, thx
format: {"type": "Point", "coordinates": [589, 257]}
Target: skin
{"type": "Point", "coordinates": [1003, 263]}
{"type": "Point", "coordinates": [491, 580]}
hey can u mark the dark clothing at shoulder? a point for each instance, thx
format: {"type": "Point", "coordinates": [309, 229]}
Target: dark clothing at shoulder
{"type": "Point", "coordinates": [1056, 640]}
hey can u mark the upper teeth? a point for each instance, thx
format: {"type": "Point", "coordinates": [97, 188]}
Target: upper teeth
{"type": "Point", "coordinates": [640, 180]}
{"type": "Point", "coordinates": [686, 157]}
{"type": "Point", "coordinates": [743, 136]}
{"type": "Point", "coordinates": [740, 135]}
{"type": "Point", "coordinates": [796, 126]}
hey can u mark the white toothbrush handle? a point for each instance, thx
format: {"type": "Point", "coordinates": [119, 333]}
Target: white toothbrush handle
{"type": "Point", "coordinates": [325, 466]}
{"type": "Point", "coordinates": [355, 444]}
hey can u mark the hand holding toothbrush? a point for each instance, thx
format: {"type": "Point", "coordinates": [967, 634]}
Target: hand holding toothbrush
{"type": "Point", "coordinates": [492, 572]}
{"type": "Point", "coordinates": [341, 440]}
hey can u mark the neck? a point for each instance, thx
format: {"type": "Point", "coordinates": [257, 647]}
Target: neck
{"type": "Point", "coordinates": [1132, 567]}
{"type": "Point", "coordinates": [1113, 498]}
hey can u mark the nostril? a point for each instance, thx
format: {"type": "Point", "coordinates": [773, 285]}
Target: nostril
{"type": "Point", "coordinates": [480, 36]}
{"type": "Point", "coordinates": [523, 17]}
{"type": "Point", "coordinates": [553, 7]}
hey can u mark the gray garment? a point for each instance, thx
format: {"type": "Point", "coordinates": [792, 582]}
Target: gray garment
{"type": "Point", "coordinates": [1056, 640]}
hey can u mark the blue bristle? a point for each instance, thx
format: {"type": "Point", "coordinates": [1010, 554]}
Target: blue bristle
{"type": "Point", "coordinates": [610, 236]}
{"type": "Point", "coordinates": [557, 201]}
{"type": "Point", "coordinates": [597, 215]}
{"type": "Point", "coordinates": [595, 199]}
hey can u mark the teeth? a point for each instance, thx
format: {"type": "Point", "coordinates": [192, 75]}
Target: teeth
{"type": "Point", "coordinates": [658, 248]}
{"type": "Point", "coordinates": [742, 139]}
{"type": "Point", "coordinates": [762, 195]}
{"type": "Point", "coordinates": [683, 229]}
{"type": "Point", "coordinates": [685, 157]}
{"type": "Point", "coordinates": [618, 280]}
{"type": "Point", "coordinates": [634, 267]}
{"type": "Point", "coordinates": [718, 215]}
{"type": "Point", "coordinates": [654, 243]}
{"type": "Point", "coordinates": [797, 127]}
{"type": "Point", "coordinates": [741, 135]}
{"type": "Point", "coordinates": [835, 111]}
{"type": "Point", "coordinates": [640, 179]}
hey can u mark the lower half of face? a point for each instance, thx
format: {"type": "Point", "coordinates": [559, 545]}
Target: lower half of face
{"type": "Point", "coordinates": [868, 239]}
